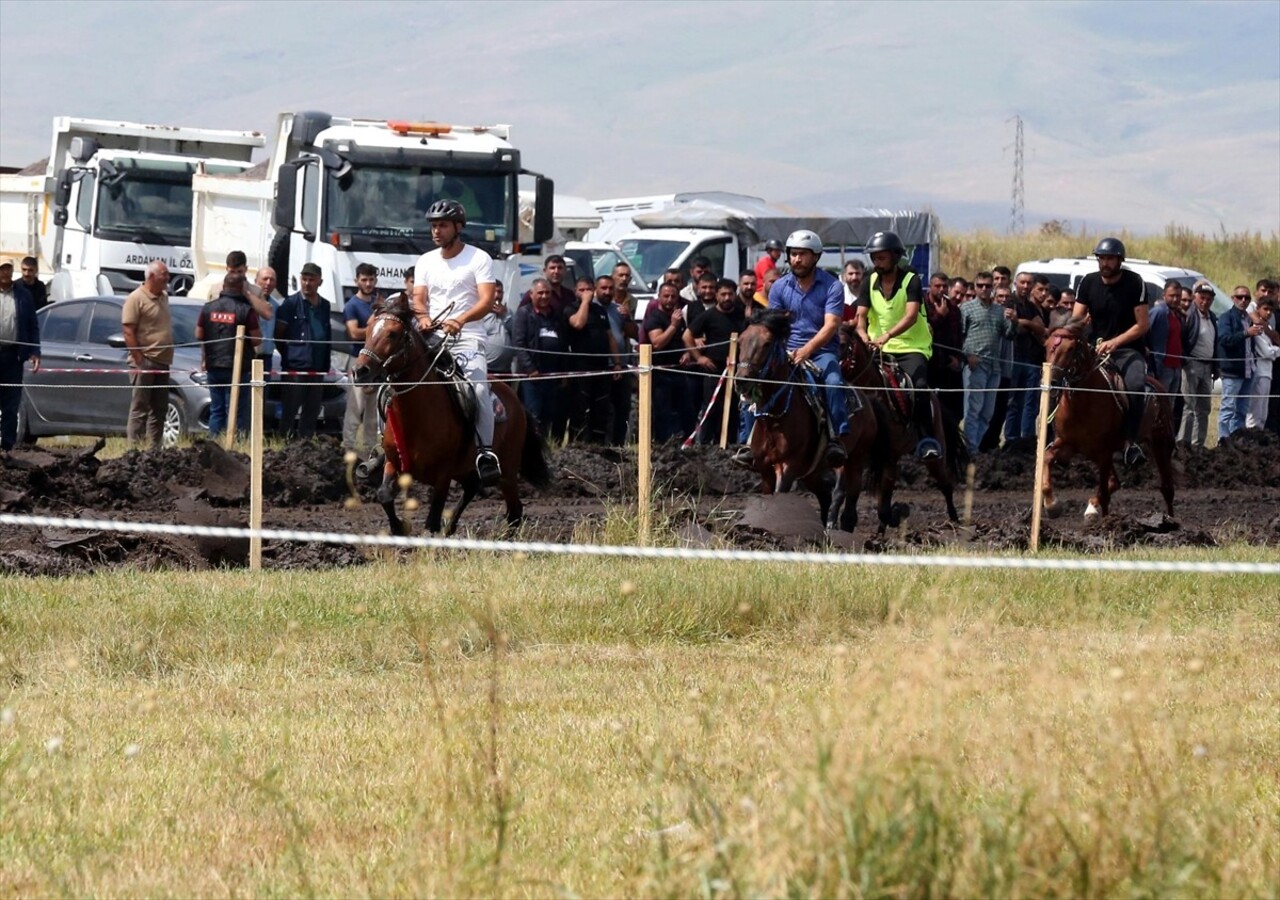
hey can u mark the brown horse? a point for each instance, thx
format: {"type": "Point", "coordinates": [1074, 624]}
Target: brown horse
{"type": "Point", "coordinates": [1089, 419]}
{"type": "Point", "coordinates": [862, 367]}
{"type": "Point", "coordinates": [789, 442]}
{"type": "Point", "coordinates": [427, 435]}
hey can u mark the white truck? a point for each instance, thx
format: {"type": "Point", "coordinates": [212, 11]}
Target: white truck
{"type": "Point", "coordinates": [338, 192]}
{"type": "Point", "coordinates": [111, 197]}
{"type": "Point", "coordinates": [730, 230]}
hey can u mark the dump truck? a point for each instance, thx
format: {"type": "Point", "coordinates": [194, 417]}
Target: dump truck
{"type": "Point", "coordinates": [110, 198]}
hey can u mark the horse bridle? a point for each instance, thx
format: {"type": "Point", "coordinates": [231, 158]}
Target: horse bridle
{"type": "Point", "coordinates": [764, 408]}
{"type": "Point", "coordinates": [409, 336]}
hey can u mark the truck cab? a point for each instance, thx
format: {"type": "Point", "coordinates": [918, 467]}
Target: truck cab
{"type": "Point", "coordinates": [349, 191]}
{"type": "Point", "coordinates": [113, 197]}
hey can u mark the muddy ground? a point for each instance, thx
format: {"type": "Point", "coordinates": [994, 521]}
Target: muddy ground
{"type": "Point", "coordinates": [1228, 494]}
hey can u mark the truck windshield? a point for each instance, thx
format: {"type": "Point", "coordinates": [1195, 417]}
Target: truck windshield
{"type": "Point", "coordinates": [391, 202]}
{"type": "Point", "coordinates": [650, 258]}
{"type": "Point", "coordinates": [149, 202]}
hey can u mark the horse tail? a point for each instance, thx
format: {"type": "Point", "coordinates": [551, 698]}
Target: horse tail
{"type": "Point", "coordinates": [533, 458]}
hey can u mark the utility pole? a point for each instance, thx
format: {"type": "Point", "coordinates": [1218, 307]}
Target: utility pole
{"type": "Point", "coordinates": [1017, 219]}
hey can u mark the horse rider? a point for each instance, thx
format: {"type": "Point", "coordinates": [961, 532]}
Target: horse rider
{"type": "Point", "coordinates": [815, 299]}
{"type": "Point", "coordinates": [458, 278]}
{"type": "Point", "coordinates": [889, 320]}
{"type": "Point", "coordinates": [1115, 299]}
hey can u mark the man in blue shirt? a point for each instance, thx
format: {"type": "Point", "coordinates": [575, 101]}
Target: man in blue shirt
{"type": "Point", "coordinates": [360, 422]}
{"type": "Point", "coordinates": [815, 299]}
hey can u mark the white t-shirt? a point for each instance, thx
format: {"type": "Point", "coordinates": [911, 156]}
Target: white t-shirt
{"type": "Point", "coordinates": [454, 281]}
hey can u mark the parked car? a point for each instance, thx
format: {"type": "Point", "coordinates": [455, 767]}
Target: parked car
{"type": "Point", "coordinates": [82, 385]}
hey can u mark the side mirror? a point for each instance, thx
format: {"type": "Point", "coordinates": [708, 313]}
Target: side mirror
{"type": "Point", "coordinates": [116, 341]}
{"type": "Point", "coordinates": [544, 222]}
{"type": "Point", "coordinates": [111, 174]}
{"type": "Point", "coordinates": [286, 196]}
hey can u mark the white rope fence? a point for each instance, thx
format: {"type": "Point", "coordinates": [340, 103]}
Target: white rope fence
{"type": "Point", "coordinates": [964, 561]}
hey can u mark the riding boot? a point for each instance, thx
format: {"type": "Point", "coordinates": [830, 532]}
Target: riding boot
{"type": "Point", "coordinates": [927, 447]}
{"type": "Point", "coordinates": [488, 467]}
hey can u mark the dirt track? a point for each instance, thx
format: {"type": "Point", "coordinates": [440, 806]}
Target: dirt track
{"type": "Point", "coordinates": [1231, 493]}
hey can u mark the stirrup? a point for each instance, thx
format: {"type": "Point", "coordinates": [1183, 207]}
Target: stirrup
{"type": "Point", "coordinates": [1133, 455]}
{"type": "Point", "coordinates": [488, 467]}
{"type": "Point", "coordinates": [928, 448]}
{"type": "Point", "coordinates": [744, 457]}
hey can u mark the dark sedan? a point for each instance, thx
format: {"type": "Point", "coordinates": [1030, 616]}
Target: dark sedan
{"type": "Point", "coordinates": [82, 385]}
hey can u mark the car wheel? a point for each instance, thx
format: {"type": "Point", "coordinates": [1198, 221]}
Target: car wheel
{"type": "Point", "coordinates": [175, 421]}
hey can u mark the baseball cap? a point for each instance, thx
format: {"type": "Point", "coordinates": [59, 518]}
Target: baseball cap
{"type": "Point", "coordinates": [7, 261]}
{"type": "Point", "coordinates": [1203, 287]}
{"type": "Point", "coordinates": [312, 269]}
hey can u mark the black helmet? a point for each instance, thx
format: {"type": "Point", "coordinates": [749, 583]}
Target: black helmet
{"type": "Point", "coordinates": [449, 210]}
{"type": "Point", "coordinates": [773, 244]}
{"type": "Point", "coordinates": [1109, 246]}
{"type": "Point", "coordinates": [885, 240]}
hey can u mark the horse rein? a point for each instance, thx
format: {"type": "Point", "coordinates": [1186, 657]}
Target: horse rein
{"type": "Point", "coordinates": [411, 335]}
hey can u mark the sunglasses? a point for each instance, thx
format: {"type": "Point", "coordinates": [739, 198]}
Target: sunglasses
{"type": "Point", "coordinates": [1239, 296]}
{"type": "Point", "coordinates": [983, 284]}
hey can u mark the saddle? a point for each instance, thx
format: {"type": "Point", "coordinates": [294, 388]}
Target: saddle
{"type": "Point", "coordinates": [813, 395]}
{"type": "Point", "coordinates": [898, 388]}
{"type": "Point", "coordinates": [461, 391]}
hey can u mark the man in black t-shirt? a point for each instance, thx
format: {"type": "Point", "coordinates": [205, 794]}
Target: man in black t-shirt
{"type": "Point", "coordinates": [663, 328]}
{"type": "Point", "coordinates": [1115, 299]}
{"type": "Point", "coordinates": [715, 327]}
{"type": "Point", "coordinates": [596, 350]}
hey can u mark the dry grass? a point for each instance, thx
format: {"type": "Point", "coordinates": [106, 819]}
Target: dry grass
{"type": "Point", "coordinates": [483, 726]}
{"type": "Point", "coordinates": [1227, 259]}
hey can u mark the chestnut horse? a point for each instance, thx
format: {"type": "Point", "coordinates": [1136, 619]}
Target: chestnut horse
{"type": "Point", "coordinates": [1089, 419]}
{"type": "Point", "coordinates": [788, 442]}
{"type": "Point", "coordinates": [862, 367]}
{"type": "Point", "coordinates": [427, 436]}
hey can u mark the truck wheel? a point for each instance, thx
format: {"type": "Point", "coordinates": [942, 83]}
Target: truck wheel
{"type": "Point", "coordinates": [278, 259]}
{"type": "Point", "coordinates": [175, 421]}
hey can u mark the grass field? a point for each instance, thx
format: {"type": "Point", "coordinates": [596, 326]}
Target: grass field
{"type": "Point", "coordinates": [474, 726]}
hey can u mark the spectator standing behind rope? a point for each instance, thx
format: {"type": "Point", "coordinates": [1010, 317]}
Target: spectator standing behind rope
{"type": "Point", "coordinates": [1199, 366]}
{"type": "Point", "coordinates": [360, 420]}
{"type": "Point", "coordinates": [1266, 349]}
{"type": "Point", "coordinates": [591, 338]}
{"type": "Point", "coordinates": [768, 262]}
{"type": "Point", "coordinates": [304, 336]}
{"type": "Point", "coordinates": [982, 327]}
{"type": "Point", "coordinates": [19, 342]}
{"type": "Point", "coordinates": [542, 347]}
{"type": "Point", "coordinates": [148, 334]}
{"type": "Point", "coordinates": [35, 287]}
{"type": "Point", "coordinates": [1236, 331]}
{"type": "Point", "coordinates": [663, 329]}
{"type": "Point", "coordinates": [942, 310]}
{"type": "Point", "coordinates": [1164, 340]}
{"type": "Point", "coordinates": [216, 332]}
{"type": "Point", "coordinates": [265, 281]}
{"type": "Point", "coordinates": [711, 355]}
{"type": "Point", "coordinates": [622, 320]}
{"type": "Point", "coordinates": [1115, 299]}
{"type": "Point", "coordinates": [889, 320]}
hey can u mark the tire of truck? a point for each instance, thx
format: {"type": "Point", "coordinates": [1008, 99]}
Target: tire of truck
{"type": "Point", "coordinates": [175, 421]}
{"type": "Point", "coordinates": [278, 259]}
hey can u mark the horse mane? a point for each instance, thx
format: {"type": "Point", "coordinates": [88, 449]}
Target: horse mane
{"type": "Point", "coordinates": [777, 321]}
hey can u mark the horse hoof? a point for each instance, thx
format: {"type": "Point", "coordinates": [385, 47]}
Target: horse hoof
{"type": "Point", "coordinates": [1053, 510]}
{"type": "Point", "coordinates": [1091, 511]}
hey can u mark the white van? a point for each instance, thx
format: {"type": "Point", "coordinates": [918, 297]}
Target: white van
{"type": "Point", "coordinates": [1066, 272]}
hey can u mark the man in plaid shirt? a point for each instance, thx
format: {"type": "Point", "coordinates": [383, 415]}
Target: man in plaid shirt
{"type": "Point", "coordinates": [982, 326]}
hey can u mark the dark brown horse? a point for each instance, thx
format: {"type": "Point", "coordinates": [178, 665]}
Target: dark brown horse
{"type": "Point", "coordinates": [862, 367]}
{"type": "Point", "coordinates": [789, 443]}
{"type": "Point", "coordinates": [426, 434]}
{"type": "Point", "coordinates": [1089, 419]}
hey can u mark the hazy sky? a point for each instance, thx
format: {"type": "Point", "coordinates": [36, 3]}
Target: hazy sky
{"type": "Point", "coordinates": [1135, 114]}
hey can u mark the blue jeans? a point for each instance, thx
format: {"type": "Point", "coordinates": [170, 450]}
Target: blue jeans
{"type": "Point", "coordinates": [829, 366]}
{"type": "Point", "coordinates": [1235, 405]}
{"type": "Point", "coordinates": [220, 403]}
{"type": "Point", "coordinates": [980, 386]}
{"type": "Point", "coordinates": [1024, 402]}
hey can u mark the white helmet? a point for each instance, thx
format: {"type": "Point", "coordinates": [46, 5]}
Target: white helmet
{"type": "Point", "coordinates": [804, 239]}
